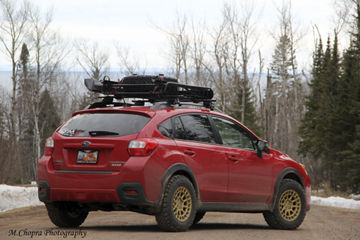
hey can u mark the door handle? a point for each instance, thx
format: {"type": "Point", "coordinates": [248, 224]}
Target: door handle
{"type": "Point", "coordinates": [232, 158]}
{"type": "Point", "coordinates": [189, 152]}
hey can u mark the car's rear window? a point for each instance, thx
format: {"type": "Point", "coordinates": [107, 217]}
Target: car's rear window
{"type": "Point", "coordinates": [103, 125]}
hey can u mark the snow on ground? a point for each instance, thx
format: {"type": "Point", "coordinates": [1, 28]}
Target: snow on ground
{"type": "Point", "coordinates": [16, 197]}
{"type": "Point", "coordinates": [336, 202]}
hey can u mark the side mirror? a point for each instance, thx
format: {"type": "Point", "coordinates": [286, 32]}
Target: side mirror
{"type": "Point", "coordinates": [261, 147]}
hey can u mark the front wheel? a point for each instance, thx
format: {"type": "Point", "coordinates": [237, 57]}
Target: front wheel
{"type": "Point", "coordinates": [178, 208]}
{"type": "Point", "coordinates": [290, 206]}
{"type": "Point", "coordinates": [66, 214]}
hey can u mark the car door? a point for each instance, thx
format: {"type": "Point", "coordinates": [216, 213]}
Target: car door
{"type": "Point", "coordinates": [250, 177]}
{"type": "Point", "coordinates": [195, 137]}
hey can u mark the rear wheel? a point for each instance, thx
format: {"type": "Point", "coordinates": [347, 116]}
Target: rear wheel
{"type": "Point", "coordinates": [178, 206]}
{"type": "Point", "coordinates": [290, 206]}
{"type": "Point", "coordinates": [66, 214]}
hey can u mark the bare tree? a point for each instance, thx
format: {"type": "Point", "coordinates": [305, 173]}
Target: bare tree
{"type": "Point", "coordinates": [129, 64]}
{"type": "Point", "coordinates": [216, 64]}
{"type": "Point", "coordinates": [198, 52]}
{"type": "Point", "coordinates": [4, 138]}
{"type": "Point", "coordinates": [285, 90]}
{"type": "Point", "coordinates": [13, 30]}
{"type": "Point", "coordinates": [259, 95]}
{"type": "Point", "coordinates": [95, 62]}
{"type": "Point", "coordinates": [342, 14]}
{"type": "Point", "coordinates": [241, 30]}
{"type": "Point", "coordinates": [48, 52]}
{"type": "Point", "coordinates": [179, 47]}
{"type": "Point", "coordinates": [92, 59]}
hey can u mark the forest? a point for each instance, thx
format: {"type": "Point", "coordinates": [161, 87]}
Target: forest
{"type": "Point", "coordinates": [313, 114]}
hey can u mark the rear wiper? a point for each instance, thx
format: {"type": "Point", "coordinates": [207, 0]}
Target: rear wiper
{"type": "Point", "coordinates": [102, 133]}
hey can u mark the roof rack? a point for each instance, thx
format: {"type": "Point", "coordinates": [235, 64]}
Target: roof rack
{"type": "Point", "coordinates": [151, 88]}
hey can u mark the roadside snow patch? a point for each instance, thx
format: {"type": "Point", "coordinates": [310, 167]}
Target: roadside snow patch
{"type": "Point", "coordinates": [16, 197]}
{"type": "Point", "coordinates": [335, 202]}
{"type": "Point", "coordinates": [355, 196]}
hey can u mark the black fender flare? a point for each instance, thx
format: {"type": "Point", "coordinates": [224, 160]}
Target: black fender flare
{"type": "Point", "coordinates": [183, 169]}
{"type": "Point", "coordinates": [280, 177]}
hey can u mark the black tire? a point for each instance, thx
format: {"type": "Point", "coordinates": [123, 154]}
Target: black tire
{"type": "Point", "coordinates": [177, 212]}
{"type": "Point", "coordinates": [290, 207]}
{"type": "Point", "coordinates": [198, 216]}
{"type": "Point", "coordinates": [66, 214]}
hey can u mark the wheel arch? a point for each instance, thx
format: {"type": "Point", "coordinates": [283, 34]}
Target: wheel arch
{"type": "Point", "coordinates": [287, 173]}
{"type": "Point", "coordinates": [179, 169]}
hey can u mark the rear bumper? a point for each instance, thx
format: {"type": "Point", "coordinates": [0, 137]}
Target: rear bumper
{"type": "Point", "coordinates": [126, 193]}
{"type": "Point", "coordinates": [124, 187]}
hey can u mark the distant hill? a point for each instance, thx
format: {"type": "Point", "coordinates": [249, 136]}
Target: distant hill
{"type": "Point", "coordinates": [5, 80]}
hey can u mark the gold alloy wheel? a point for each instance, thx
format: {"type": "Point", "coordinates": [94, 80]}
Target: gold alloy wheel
{"type": "Point", "coordinates": [182, 204]}
{"type": "Point", "coordinates": [290, 205]}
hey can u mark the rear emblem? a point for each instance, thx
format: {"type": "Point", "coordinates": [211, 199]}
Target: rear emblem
{"type": "Point", "coordinates": [85, 143]}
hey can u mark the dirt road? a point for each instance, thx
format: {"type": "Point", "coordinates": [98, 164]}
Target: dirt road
{"type": "Point", "coordinates": [320, 223]}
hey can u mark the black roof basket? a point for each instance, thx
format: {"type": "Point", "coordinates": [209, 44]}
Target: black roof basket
{"type": "Point", "coordinates": [152, 88]}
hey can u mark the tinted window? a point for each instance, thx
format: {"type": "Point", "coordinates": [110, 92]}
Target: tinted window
{"type": "Point", "coordinates": [166, 128]}
{"type": "Point", "coordinates": [232, 134]}
{"type": "Point", "coordinates": [195, 128]}
{"type": "Point", "coordinates": [179, 129]}
{"type": "Point", "coordinates": [103, 124]}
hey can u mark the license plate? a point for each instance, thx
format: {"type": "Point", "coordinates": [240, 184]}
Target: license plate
{"type": "Point", "coordinates": [87, 156]}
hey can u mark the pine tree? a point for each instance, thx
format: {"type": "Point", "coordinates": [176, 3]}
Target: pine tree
{"type": "Point", "coordinates": [348, 114]}
{"type": "Point", "coordinates": [286, 92]}
{"type": "Point", "coordinates": [348, 117]}
{"type": "Point", "coordinates": [308, 130]}
{"type": "Point", "coordinates": [327, 112]}
{"type": "Point", "coordinates": [311, 145]}
{"type": "Point", "coordinates": [250, 119]}
{"type": "Point", "coordinates": [25, 78]}
{"type": "Point", "coordinates": [49, 119]}
{"type": "Point", "coordinates": [319, 129]}
{"type": "Point", "coordinates": [330, 130]}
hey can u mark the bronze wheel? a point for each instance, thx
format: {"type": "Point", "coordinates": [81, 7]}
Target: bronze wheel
{"type": "Point", "coordinates": [178, 208]}
{"type": "Point", "coordinates": [182, 204]}
{"type": "Point", "coordinates": [290, 205]}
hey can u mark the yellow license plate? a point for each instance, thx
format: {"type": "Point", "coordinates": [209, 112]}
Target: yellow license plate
{"type": "Point", "coordinates": [87, 156]}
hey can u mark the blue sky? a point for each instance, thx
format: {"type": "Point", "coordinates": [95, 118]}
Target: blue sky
{"type": "Point", "coordinates": [132, 23]}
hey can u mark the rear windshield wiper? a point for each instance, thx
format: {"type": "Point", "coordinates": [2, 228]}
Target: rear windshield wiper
{"type": "Point", "coordinates": [102, 133]}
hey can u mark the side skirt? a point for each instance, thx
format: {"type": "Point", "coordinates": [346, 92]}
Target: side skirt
{"type": "Point", "coordinates": [235, 207]}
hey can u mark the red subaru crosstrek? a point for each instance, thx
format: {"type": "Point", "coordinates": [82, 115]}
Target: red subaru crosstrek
{"type": "Point", "coordinates": [173, 160]}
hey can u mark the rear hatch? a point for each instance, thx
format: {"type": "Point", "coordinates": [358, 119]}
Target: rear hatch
{"type": "Point", "coordinates": [96, 141]}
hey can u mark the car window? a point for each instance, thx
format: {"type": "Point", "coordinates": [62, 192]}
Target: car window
{"type": "Point", "coordinates": [179, 129]}
{"type": "Point", "coordinates": [232, 134]}
{"type": "Point", "coordinates": [166, 128]}
{"type": "Point", "coordinates": [194, 128]}
{"type": "Point", "coordinates": [103, 124]}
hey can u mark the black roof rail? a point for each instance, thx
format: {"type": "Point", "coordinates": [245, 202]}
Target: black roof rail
{"type": "Point", "coordinates": [152, 88]}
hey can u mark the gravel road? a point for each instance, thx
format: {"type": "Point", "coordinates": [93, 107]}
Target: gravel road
{"type": "Point", "coordinates": [320, 223]}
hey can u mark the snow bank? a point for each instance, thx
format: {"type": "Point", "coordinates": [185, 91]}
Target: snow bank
{"type": "Point", "coordinates": [16, 197]}
{"type": "Point", "coordinates": [336, 202]}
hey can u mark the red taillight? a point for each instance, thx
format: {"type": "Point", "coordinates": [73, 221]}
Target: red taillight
{"type": "Point", "coordinates": [49, 146]}
{"type": "Point", "coordinates": [142, 147]}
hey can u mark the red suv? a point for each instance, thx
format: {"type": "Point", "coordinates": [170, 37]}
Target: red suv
{"type": "Point", "coordinates": [172, 160]}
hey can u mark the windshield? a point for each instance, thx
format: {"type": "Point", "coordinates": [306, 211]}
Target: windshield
{"type": "Point", "coordinates": [103, 124]}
